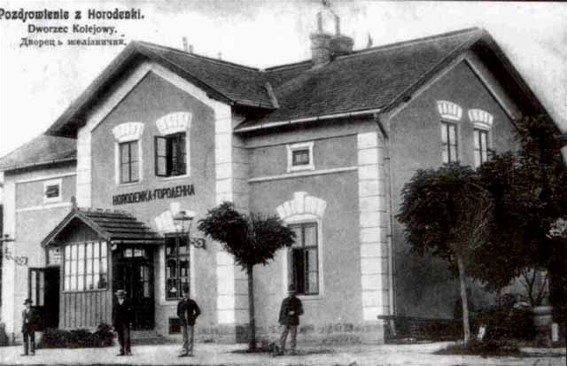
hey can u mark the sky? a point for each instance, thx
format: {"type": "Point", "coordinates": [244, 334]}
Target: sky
{"type": "Point", "coordinates": [38, 83]}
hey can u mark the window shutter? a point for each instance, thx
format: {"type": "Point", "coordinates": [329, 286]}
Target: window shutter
{"type": "Point", "coordinates": [160, 150]}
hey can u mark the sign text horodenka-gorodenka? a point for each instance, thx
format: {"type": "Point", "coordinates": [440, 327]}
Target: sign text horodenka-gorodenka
{"type": "Point", "coordinates": [155, 194]}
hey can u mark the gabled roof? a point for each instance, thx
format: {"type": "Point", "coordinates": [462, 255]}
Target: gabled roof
{"type": "Point", "coordinates": [225, 81]}
{"type": "Point", "coordinates": [375, 79]}
{"type": "Point", "coordinates": [117, 227]}
{"type": "Point", "coordinates": [40, 151]}
{"type": "Point", "coordinates": [367, 81]}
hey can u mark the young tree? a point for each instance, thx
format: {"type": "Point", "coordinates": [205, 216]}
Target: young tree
{"type": "Point", "coordinates": [251, 239]}
{"type": "Point", "coordinates": [447, 213]}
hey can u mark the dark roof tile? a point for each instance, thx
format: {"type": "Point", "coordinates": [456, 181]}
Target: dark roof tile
{"type": "Point", "coordinates": [244, 85]}
{"type": "Point", "coordinates": [40, 151]}
{"type": "Point", "coordinates": [116, 226]}
{"type": "Point", "coordinates": [367, 79]}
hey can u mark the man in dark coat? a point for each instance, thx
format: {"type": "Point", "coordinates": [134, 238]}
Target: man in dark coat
{"type": "Point", "coordinates": [121, 320]}
{"type": "Point", "coordinates": [290, 311]}
{"type": "Point", "coordinates": [29, 324]}
{"type": "Point", "coordinates": [188, 311]}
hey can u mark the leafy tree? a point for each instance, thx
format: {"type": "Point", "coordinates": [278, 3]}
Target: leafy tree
{"type": "Point", "coordinates": [251, 239]}
{"type": "Point", "coordinates": [529, 188]}
{"type": "Point", "coordinates": [447, 213]}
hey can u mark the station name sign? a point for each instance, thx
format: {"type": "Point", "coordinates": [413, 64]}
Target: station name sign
{"type": "Point", "coordinates": [155, 194]}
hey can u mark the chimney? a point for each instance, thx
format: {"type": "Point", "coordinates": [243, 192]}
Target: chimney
{"type": "Point", "coordinates": [187, 47]}
{"type": "Point", "coordinates": [328, 42]}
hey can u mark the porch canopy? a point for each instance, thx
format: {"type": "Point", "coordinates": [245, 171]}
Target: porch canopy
{"type": "Point", "coordinates": [116, 227]}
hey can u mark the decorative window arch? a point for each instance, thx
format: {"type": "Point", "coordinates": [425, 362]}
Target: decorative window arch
{"type": "Point", "coordinates": [449, 110]}
{"type": "Point", "coordinates": [174, 123]}
{"type": "Point", "coordinates": [481, 119]}
{"type": "Point", "coordinates": [128, 152]}
{"type": "Point", "coordinates": [303, 264]}
{"type": "Point", "coordinates": [129, 131]}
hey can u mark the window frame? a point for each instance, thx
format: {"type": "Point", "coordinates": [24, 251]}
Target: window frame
{"type": "Point", "coordinates": [178, 257]}
{"type": "Point", "coordinates": [71, 269]}
{"type": "Point", "coordinates": [168, 141]}
{"type": "Point", "coordinates": [50, 183]}
{"type": "Point", "coordinates": [36, 285]}
{"type": "Point", "coordinates": [292, 149]}
{"type": "Point", "coordinates": [478, 151]}
{"type": "Point", "coordinates": [291, 277]}
{"type": "Point", "coordinates": [446, 146]}
{"type": "Point", "coordinates": [130, 162]}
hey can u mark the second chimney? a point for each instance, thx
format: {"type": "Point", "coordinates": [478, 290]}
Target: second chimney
{"type": "Point", "coordinates": [328, 42]}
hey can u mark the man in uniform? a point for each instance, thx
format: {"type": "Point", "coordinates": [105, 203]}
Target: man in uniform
{"type": "Point", "coordinates": [122, 319]}
{"type": "Point", "coordinates": [290, 311]}
{"type": "Point", "coordinates": [29, 322]}
{"type": "Point", "coordinates": [188, 311]}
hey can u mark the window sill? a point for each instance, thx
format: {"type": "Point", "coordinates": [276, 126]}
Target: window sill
{"type": "Point", "coordinates": [129, 184]}
{"type": "Point", "coordinates": [173, 177]}
{"type": "Point", "coordinates": [310, 297]}
{"type": "Point", "coordinates": [48, 202]}
{"type": "Point", "coordinates": [300, 168]}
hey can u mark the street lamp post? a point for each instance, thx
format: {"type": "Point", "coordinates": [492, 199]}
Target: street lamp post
{"type": "Point", "coordinates": [183, 220]}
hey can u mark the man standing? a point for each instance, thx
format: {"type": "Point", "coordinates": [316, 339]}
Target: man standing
{"type": "Point", "coordinates": [188, 311]}
{"type": "Point", "coordinates": [290, 311]}
{"type": "Point", "coordinates": [29, 320]}
{"type": "Point", "coordinates": [121, 320]}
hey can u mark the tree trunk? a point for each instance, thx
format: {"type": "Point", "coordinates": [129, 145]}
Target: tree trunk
{"type": "Point", "coordinates": [252, 326]}
{"type": "Point", "coordinates": [464, 300]}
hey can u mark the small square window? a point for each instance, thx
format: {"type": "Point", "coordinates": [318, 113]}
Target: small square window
{"type": "Point", "coordinates": [52, 191]}
{"type": "Point", "coordinates": [300, 157]}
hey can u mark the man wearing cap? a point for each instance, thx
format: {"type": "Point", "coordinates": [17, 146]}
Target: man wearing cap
{"type": "Point", "coordinates": [29, 323]}
{"type": "Point", "coordinates": [188, 311]}
{"type": "Point", "coordinates": [290, 311]}
{"type": "Point", "coordinates": [121, 320]}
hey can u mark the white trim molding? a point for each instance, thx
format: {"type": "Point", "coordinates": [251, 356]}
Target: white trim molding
{"type": "Point", "coordinates": [174, 123]}
{"type": "Point", "coordinates": [46, 177]}
{"type": "Point", "coordinates": [301, 204]}
{"type": "Point", "coordinates": [481, 119]}
{"type": "Point", "coordinates": [449, 110]}
{"type": "Point", "coordinates": [302, 174]}
{"type": "Point", "coordinates": [291, 148]}
{"type": "Point", "coordinates": [129, 131]}
{"type": "Point", "coordinates": [372, 226]}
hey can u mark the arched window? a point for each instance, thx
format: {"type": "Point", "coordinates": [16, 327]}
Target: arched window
{"type": "Point", "coordinates": [304, 215]}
